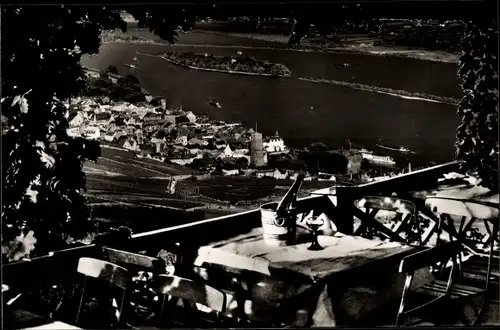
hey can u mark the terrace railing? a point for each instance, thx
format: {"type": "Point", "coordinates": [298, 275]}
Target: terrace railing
{"type": "Point", "coordinates": [60, 266]}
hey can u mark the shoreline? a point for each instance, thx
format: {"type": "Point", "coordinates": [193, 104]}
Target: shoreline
{"type": "Point", "coordinates": [419, 54]}
{"type": "Point", "coordinates": [387, 91]}
{"type": "Point", "coordinates": [212, 70]}
{"type": "Point", "coordinates": [370, 51]}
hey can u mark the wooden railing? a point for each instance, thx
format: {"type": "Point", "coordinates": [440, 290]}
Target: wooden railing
{"type": "Point", "coordinates": [60, 266]}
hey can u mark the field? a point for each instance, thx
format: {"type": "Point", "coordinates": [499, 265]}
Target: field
{"type": "Point", "coordinates": [124, 190]}
{"type": "Point", "coordinates": [115, 161]}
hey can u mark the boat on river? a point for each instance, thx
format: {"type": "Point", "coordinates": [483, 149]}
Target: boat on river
{"type": "Point", "coordinates": [132, 66]}
{"type": "Point", "coordinates": [400, 149]}
{"type": "Point", "coordinates": [214, 104]}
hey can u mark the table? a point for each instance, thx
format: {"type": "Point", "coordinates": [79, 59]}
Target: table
{"type": "Point", "coordinates": [20, 319]}
{"type": "Point", "coordinates": [351, 277]}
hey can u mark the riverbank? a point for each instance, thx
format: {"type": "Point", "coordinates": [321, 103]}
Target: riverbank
{"type": "Point", "coordinates": [363, 47]}
{"type": "Point", "coordinates": [239, 65]}
{"type": "Point", "coordinates": [387, 91]}
{"type": "Point", "coordinates": [280, 42]}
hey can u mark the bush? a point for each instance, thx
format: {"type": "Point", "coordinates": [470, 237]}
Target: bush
{"type": "Point", "coordinates": [477, 136]}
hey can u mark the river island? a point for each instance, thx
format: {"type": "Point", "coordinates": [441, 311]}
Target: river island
{"type": "Point", "coordinates": [228, 64]}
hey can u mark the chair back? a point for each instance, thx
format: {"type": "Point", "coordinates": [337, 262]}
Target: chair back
{"type": "Point", "coordinates": [465, 208]}
{"type": "Point", "coordinates": [135, 262]}
{"type": "Point", "coordinates": [429, 257]}
{"type": "Point", "coordinates": [441, 254]}
{"type": "Point", "coordinates": [409, 222]}
{"type": "Point", "coordinates": [192, 291]}
{"type": "Point", "coordinates": [478, 225]}
{"type": "Point", "coordinates": [103, 270]}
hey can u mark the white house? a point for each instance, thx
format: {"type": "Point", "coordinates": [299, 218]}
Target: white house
{"type": "Point", "coordinates": [220, 144]}
{"type": "Point", "coordinates": [102, 118]}
{"type": "Point", "coordinates": [74, 131]}
{"type": "Point", "coordinates": [110, 137]}
{"type": "Point", "coordinates": [263, 174]}
{"type": "Point", "coordinates": [226, 153]}
{"type": "Point", "coordinates": [191, 116]}
{"type": "Point", "coordinates": [127, 143]}
{"type": "Point", "coordinates": [276, 174]}
{"type": "Point", "coordinates": [76, 119]}
{"type": "Point", "coordinates": [91, 133]}
{"type": "Point", "coordinates": [230, 172]}
{"type": "Point", "coordinates": [196, 141]}
{"type": "Point", "coordinates": [182, 140]}
{"type": "Point", "coordinates": [242, 151]}
{"type": "Point", "coordinates": [326, 177]}
{"type": "Point", "coordinates": [274, 144]}
{"type": "Point", "coordinates": [280, 176]}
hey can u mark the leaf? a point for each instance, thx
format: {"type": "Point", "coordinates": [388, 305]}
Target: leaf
{"type": "Point", "coordinates": [20, 247]}
{"type": "Point", "coordinates": [47, 159]}
{"type": "Point", "coordinates": [22, 102]}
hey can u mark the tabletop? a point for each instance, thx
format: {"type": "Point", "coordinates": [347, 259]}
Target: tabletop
{"type": "Point", "coordinates": [21, 319]}
{"type": "Point", "coordinates": [341, 253]}
{"type": "Point", "coordinates": [350, 277]}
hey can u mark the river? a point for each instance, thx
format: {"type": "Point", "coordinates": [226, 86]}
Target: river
{"type": "Point", "coordinates": [304, 112]}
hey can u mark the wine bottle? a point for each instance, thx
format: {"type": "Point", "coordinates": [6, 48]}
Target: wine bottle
{"type": "Point", "coordinates": [290, 197]}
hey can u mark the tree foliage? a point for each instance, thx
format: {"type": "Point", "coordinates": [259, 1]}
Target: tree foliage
{"type": "Point", "coordinates": [44, 185]}
{"type": "Point", "coordinates": [354, 162]}
{"type": "Point", "coordinates": [477, 135]}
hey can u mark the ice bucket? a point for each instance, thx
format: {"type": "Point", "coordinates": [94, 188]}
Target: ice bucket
{"type": "Point", "coordinates": [276, 231]}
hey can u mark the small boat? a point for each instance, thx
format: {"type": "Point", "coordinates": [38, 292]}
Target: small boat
{"type": "Point", "coordinates": [214, 104]}
{"type": "Point", "coordinates": [132, 66]}
{"type": "Point", "coordinates": [400, 149]}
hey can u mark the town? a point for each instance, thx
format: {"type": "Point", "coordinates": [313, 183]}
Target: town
{"type": "Point", "coordinates": [149, 129]}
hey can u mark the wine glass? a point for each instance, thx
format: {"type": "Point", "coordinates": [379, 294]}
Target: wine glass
{"type": "Point", "coordinates": [315, 223]}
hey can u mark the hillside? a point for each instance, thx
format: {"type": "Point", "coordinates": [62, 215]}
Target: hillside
{"type": "Point", "coordinates": [124, 190]}
{"type": "Point", "coordinates": [116, 161]}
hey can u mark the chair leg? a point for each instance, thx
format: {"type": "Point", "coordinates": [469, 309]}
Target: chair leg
{"type": "Point", "coordinates": [121, 307]}
{"type": "Point", "coordinates": [162, 308]}
{"type": "Point", "coordinates": [479, 312]}
{"type": "Point", "coordinates": [81, 300]}
{"type": "Point", "coordinates": [406, 289]}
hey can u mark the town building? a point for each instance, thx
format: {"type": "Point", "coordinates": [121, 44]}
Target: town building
{"type": "Point", "coordinates": [76, 119]}
{"type": "Point", "coordinates": [91, 133]}
{"type": "Point", "coordinates": [74, 132]}
{"type": "Point", "coordinates": [182, 140]}
{"type": "Point", "coordinates": [191, 117]}
{"type": "Point", "coordinates": [275, 144]}
{"type": "Point", "coordinates": [128, 143]}
{"type": "Point", "coordinates": [257, 150]}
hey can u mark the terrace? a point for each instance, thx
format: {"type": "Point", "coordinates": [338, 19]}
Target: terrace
{"type": "Point", "coordinates": [364, 269]}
